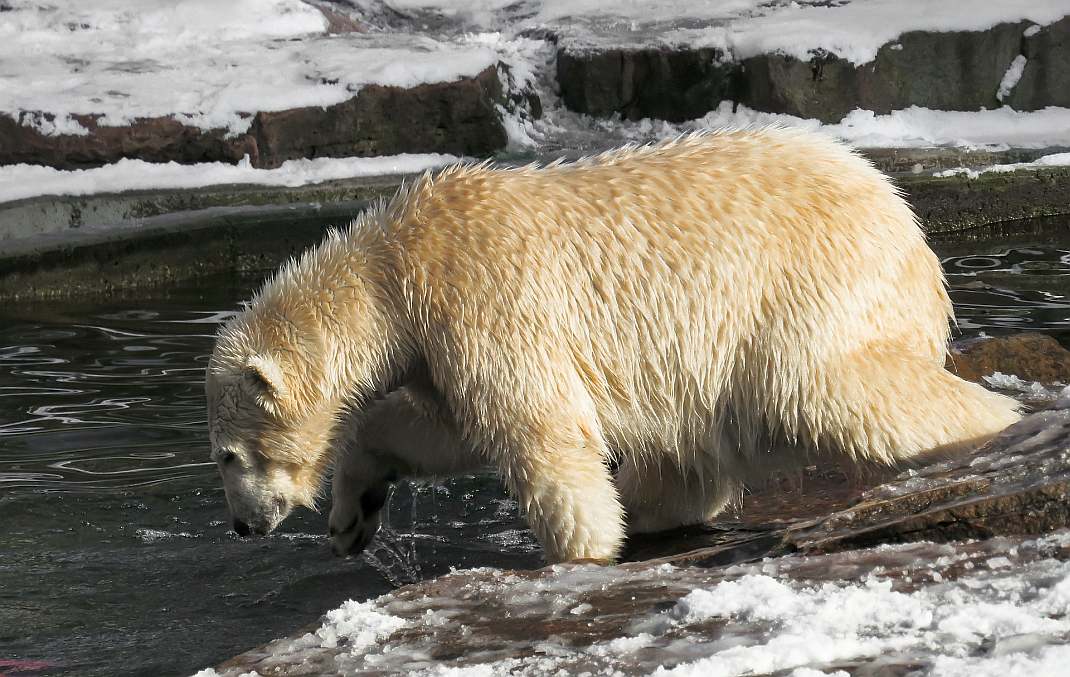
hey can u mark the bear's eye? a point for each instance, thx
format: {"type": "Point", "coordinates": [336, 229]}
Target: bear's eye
{"type": "Point", "coordinates": [227, 457]}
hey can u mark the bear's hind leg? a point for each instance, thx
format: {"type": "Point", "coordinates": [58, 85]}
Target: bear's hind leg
{"type": "Point", "coordinates": [886, 405]}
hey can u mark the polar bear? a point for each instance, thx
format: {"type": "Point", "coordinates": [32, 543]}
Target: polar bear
{"type": "Point", "coordinates": [691, 313]}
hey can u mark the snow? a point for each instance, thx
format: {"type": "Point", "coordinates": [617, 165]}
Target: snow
{"type": "Point", "coordinates": [1053, 160]}
{"type": "Point", "coordinates": [208, 64]}
{"type": "Point", "coordinates": [913, 127]}
{"type": "Point", "coordinates": [1011, 77]}
{"type": "Point", "coordinates": [856, 30]}
{"type": "Point", "coordinates": [999, 613]}
{"type": "Point", "coordinates": [622, 645]}
{"type": "Point", "coordinates": [1051, 662]}
{"type": "Point", "coordinates": [923, 127]}
{"type": "Point", "coordinates": [361, 624]}
{"type": "Point", "coordinates": [1033, 389]}
{"type": "Point", "coordinates": [831, 622]}
{"type": "Point", "coordinates": [211, 66]}
{"type": "Point", "coordinates": [23, 181]}
{"type": "Point", "coordinates": [818, 625]}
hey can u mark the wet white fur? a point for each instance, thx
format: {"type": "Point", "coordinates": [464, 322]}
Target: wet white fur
{"type": "Point", "coordinates": [705, 308]}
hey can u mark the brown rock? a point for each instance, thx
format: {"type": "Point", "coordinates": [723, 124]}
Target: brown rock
{"type": "Point", "coordinates": [1018, 484]}
{"type": "Point", "coordinates": [445, 117]}
{"type": "Point", "coordinates": [338, 22]}
{"type": "Point", "coordinates": [1029, 356]}
{"type": "Point", "coordinates": [149, 139]}
{"type": "Point", "coordinates": [458, 117]}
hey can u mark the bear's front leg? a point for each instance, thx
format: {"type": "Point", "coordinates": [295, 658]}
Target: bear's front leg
{"type": "Point", "coordinates": [561, 481]}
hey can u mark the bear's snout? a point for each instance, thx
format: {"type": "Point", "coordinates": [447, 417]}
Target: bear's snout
{"type": "Point", "coordinates": [245, 529]}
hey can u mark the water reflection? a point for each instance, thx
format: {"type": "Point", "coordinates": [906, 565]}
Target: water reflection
{"type": "Point", "coordinates": [1012, 289]}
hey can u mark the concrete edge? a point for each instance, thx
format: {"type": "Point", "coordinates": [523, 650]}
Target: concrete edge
{"type": "Point", "coordinates": [165, 249]}
{"type": "Point", "coordinates": [125, 256]}
{"type": "Point", "coordinates": [45, 214]}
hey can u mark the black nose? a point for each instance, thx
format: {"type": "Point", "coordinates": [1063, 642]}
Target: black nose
{"type": "Point", "coordinates": [241, 528]}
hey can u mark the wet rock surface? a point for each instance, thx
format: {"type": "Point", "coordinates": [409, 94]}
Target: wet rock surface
{"type": "Point", "coordinates": [1031, 356]}
{"type": "Point", "coordinates": [458, 117]}
{"type": "Point", "coordinates": [873, 574]}
{"type": "Point", "coordinates": [757, 618]}
{"type": "Point", "coordinates": [1017, 484]}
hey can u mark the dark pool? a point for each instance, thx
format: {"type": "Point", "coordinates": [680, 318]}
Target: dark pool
{"type": "Point", "coordinates": [115, 556]}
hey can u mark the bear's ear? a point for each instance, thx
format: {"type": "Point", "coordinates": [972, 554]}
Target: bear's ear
{"type": "Point", "coordinates": [269, 379]}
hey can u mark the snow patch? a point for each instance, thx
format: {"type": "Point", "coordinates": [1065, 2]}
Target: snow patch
{"type": "Point", "coordinates": [854, 30]}
{"type": "Point", "coordinates": [1011, 77]}
{"type": "Point", "coordinates": [913, 127]}
{"type": "Point", "coordinates": [360, 624]}
{"type": "Point", "coordinates": [815, 625]}
{"type": "Point", "coordinates": [49, 125]}
{"type": "Point", "coordinates": [1033, 389]}
{"type": "Point", "coordinates": [995, 613]}
{"type": "Point", "coordinates": [622, 645]}
{"type": "Point", "coordinates": [208, 64]}
{"type": "Point", "coordinates": [1053, 160]}
{"type": "Point", "coordinates": [24, 181]}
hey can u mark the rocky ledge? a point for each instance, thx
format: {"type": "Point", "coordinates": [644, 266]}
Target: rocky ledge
{"type": "Point", "coordinates": [458, 117]}
{"type": "Point", "coordinates": [959, 70]}
{"type": "Point", "coordinates": [868, 574]}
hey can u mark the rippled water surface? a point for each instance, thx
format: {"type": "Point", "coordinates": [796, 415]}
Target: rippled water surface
{"type": "Point", "coordinates": [1011, 288]}
{"type": "Point", "coordinates": [115, 558]}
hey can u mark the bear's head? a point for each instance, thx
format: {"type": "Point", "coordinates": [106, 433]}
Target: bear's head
{"type": "Point", "coordinates": [269, 425]}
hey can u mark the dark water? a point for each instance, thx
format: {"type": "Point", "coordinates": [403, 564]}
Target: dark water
{"type": "Point", "coordinates": [115, 557]}
{"type": "Point", "coordinates": [1006, 289]}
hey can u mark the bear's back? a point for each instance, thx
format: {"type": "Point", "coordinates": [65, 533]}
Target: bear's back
{"type": "Point", "coordinates": [671, 268]}
{"type": "Point", "coordinates": [775, 216]}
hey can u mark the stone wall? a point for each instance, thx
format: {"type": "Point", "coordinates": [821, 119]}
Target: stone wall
{"type": "Point", "coordinates": [945, 71]}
